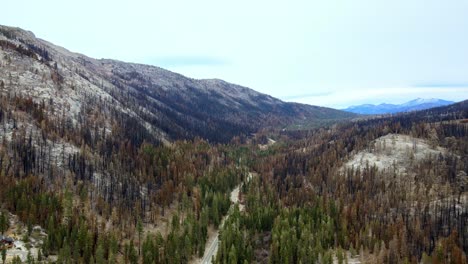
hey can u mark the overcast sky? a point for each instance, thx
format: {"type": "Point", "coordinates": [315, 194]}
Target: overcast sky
{"type": "Point", "coordinates": [328, 52]}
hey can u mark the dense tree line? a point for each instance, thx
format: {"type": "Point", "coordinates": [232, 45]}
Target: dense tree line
{"type": "Point", "coordinates": [115, 181]}
{"type": "Point", "coordinates": [377, 214]}
{"type": "Point", "coordinates": [302, 207]}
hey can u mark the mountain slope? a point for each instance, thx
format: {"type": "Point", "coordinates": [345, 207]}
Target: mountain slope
{"type": "Point", "coordinates": [413, 105]}
{"type": "Point", "coordinates": [155, 102]}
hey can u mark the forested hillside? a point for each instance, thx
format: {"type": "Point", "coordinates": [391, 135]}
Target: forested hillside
{"type": "Point", "coordinates": [308, 207]}
{"type": "Point", "coordinates": [127, 163]}
{"type": "Point", "coordinates": [113, 201]}
{"type": "Point", "coordinates": [156, 204]}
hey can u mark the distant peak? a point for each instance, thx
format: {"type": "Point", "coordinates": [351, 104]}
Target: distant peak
{"type": "Point", "coordinates": [420, 100]}
{"type": "Point", "coordinates": [385, 108]}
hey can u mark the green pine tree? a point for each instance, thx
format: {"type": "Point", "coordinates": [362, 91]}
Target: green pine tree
{"type": "Point", "coordinates": [100, 254]}
{"type": "Point", "coordinates": [3, 255]}
{"type": "Point", "coordinates": [140, 232]}
{"type": "Point", "coordinates": [3, 222]}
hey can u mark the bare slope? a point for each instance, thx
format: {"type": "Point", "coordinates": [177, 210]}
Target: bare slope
{"type": "Point", "coordinates": [394, 151]}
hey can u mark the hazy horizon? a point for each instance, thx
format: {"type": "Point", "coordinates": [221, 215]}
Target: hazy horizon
{"type": "Point", "coordinates": [328, 53]}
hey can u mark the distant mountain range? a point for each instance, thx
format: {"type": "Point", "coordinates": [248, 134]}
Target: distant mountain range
{"type": "Point", "coordinates": [413, 105]}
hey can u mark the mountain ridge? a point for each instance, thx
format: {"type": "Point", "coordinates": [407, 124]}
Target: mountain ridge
{"type": "Point", "coordinates": [168, 105]}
